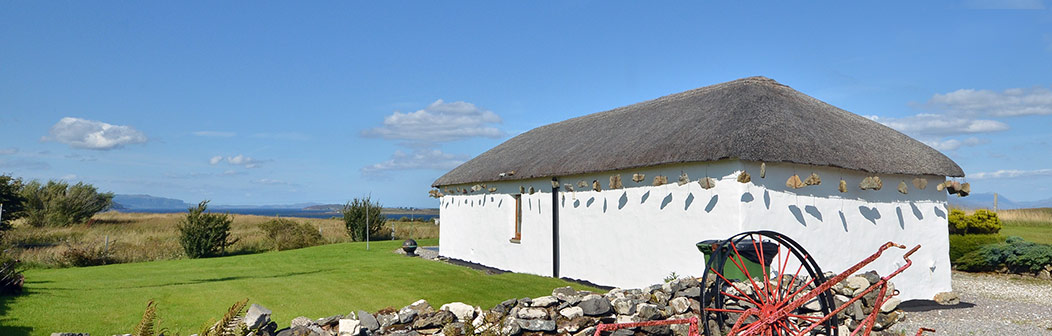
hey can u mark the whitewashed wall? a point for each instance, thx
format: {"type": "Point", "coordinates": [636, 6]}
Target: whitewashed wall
{"type": "Point", "coordinates": [479, 227]}
{"type": "Point", "coordinates": [841, 229]}
{"type": "Point", "coordinates": [638, 235]}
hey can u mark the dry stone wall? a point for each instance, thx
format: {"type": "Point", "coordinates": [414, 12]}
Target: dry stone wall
{"type": "Point", "coordinates": [567, 312]}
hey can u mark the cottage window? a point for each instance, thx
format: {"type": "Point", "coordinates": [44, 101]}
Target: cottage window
{"type": "Point", "coordinates": [518, 219]}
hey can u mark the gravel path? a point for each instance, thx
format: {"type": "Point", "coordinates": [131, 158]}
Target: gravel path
{"type": "Point", "coordinates": [990, 305]}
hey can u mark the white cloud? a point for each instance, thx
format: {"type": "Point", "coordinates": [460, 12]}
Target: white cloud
{"type": "Point", "coordinates": [8, 151]}
{"type": "Point", "coordinates": [1011, 173]}
{"type": "Point", "coordinates": [439, 122]}
{"type": "Point", "coordinates": [92, 134]}
{"type": "Point", "coordinates": [418, 159]}
{"type": "Point", "coordinates": [217, 134]}
{"type": "Point", "coordinates": [954, 144]}
{"type": "Point", "coordinates": [927, 124]}
{"type": "Point", "coordinates": [237, 160]}
{"type": "Point", "coordinates": [1007, 103]}
{"type": "Point", "coordinates": [68, 177]}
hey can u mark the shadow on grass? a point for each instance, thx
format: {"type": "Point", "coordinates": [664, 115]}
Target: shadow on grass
{"type": "Point", "coordinates": [222, 279]}
{"type": "Point", "coordinates": [5, 323]}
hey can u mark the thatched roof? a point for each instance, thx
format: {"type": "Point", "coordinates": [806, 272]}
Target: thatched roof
{"type": "Point", "coordinates": [753, 119]}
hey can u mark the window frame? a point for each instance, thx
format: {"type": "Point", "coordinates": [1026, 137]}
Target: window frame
{"type": "Point", "coordinates": [518, 219]}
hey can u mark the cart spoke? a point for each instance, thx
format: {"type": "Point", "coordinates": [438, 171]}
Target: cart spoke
{"type": "Point", "coordinates": [741, 266]}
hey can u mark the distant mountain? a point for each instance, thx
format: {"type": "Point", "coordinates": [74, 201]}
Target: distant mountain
{"type": "Point", "coordinates": [986, 201]}
{"type": "Point", "coordinates": [123, 202]}
{"type": "Point", "coordinates": [133, 202]}
{"type": "Point", "coordinates": [304, 206]}
{"type": "Point", "coordinates": [386, 211]}
{"type": "Point", "coordinates": [325, 207]}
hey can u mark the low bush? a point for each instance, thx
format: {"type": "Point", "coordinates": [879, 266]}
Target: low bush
{"type": "Point", "coordinates": [86, 256]}
{"type": "Point", "coordinates": [962, 244]}
{"type": "Point", "coordinates": [980, 222]}
{"type": "Point", "coordinates": [286, 234]}
{"type": "Point", "coordinates": [205, 234]}
{"type": "Point", "coordinates": [363, 218]}
{"type": "Point", "coordinates": [1014, 255]}
{"type": "Point", "coordinates": [11, 277]}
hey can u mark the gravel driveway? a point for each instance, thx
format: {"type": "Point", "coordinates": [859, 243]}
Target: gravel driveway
{"type": "Point", "coordinates": [990, 305]}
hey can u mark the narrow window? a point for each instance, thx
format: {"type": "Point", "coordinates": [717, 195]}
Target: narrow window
{"type": "Point", "coordinates": [518, 218]}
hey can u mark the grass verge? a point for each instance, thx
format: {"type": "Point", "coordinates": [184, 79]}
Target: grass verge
{"type": "Point", "coordinates": [314, 282]}
{"type": "Point", "coordinates": [1033, 231]}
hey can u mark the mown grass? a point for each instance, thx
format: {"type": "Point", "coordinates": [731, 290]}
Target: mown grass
{"type": "Point", "coordinates": [314, 282]}
{"type": "Point", "coordinates": [135, 237]}
{"type": "Point", "coordinates": [1034, 225]}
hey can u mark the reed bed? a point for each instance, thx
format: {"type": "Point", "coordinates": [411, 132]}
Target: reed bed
{"type": "Point", "coordinates": [136, 237]}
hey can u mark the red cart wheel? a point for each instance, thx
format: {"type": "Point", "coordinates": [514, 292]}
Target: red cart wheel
{"type": "Point", "coordinates": [752, 279]}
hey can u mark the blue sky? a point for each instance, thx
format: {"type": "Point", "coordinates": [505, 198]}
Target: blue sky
{"type": "Point", "coordinates": [266, 103]}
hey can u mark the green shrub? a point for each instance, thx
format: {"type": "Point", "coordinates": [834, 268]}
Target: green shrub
{"type": "Point", "coordinates": [1015, 254]}
{"type": "Point", "coordinates": [11, 277]}
{"type": "Point", "coordinates": [962, 244]}
{"type": "Point", "coordinates": [86, 256]}
{"type": "Point", "coordinates": [286, 234]}
{"type": "Point", "coordinates": [59, 204]}
{"type": "Point", "coordinates": [10, 201]}
{"type": "Point", "coordinates": [981, 222]}
{"type": "Point", "coordinates": [204, 234]}
{"type": "Point", "coordinates": [355, 215]}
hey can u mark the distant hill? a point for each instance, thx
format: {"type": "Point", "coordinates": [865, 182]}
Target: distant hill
{"type": "Point", "coordinates": [123, 202]}
{"type": "Point", "coordinates": [986, 201]}
{"type": "Point", "coordinates": [304, 206]}
{"type": "Point", "coordinates": [386, 211]}
{"type": "Point", "coordinates": [132, 202]}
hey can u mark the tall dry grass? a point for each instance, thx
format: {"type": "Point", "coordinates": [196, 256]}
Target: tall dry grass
{"type": "Point", "coordinates": [135, 237]}
{"type": "Point", "coordinates": [1037, 215]}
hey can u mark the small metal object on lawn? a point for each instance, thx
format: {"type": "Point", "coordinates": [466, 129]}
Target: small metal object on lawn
{"type": "Point", "coordinates": [409, 246]}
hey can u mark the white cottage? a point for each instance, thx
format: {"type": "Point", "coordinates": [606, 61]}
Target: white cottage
{"type": "Point", "coordinates": [583, 198]}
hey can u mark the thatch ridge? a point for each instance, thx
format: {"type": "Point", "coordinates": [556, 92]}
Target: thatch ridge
{"type": "Point", "coordinates": [752, 119]}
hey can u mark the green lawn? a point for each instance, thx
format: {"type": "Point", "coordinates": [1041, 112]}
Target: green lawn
{"type": "Point", "coordinates": [1033, 231]}
{"type": "Point", "coordinates": [313, 282]}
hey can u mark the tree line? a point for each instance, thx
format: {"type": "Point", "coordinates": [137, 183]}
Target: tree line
{"type": "Point", "coordinates": [55, 203]}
